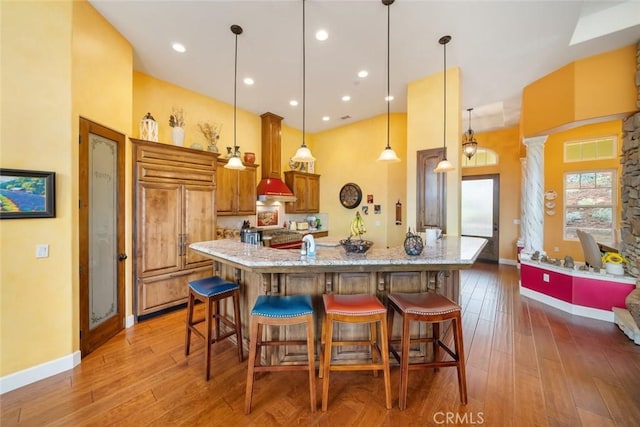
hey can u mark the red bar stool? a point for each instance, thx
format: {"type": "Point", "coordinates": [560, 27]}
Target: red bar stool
{"type": "Point", "coordinates": [275, 310]}
{"type": "Point", "coordinates": [361, 308]}
{"type": "Point", "coordinates": [432, 308]}
{"type": "Point", "coordinates": [211, 291]}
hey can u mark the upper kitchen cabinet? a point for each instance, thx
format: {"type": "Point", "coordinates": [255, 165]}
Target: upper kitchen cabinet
{"type": "Point", "coordinates": [175, 197]}
{"type": "Point", "coordinates": [306, 188]}
{"type": "Point", "coordinates": [236, 192]}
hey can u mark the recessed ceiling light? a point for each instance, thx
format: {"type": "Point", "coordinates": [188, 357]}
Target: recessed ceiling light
{"type": "Point", "coordinates": [293, 103]}
{"type": "Point", "coordinates": [322, 35]}
{"type": "Point", "coordinates": [362, 74]}
{"type": "Point", "coordinates": [346, 98]}
{"type": "Point", "coordinates": [326, 118]}
{"type": "Point", "coordinates": [248, 81]}
{"type": "Point", "coordinates": [388, 98]}
{"type": "Point", "coordinates": [179, 47]}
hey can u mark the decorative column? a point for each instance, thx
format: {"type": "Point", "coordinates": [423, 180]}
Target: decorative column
{"type": "Point", "coordinates": [523, 195]}
{"type": "Point", "coordinates": [533, 199]}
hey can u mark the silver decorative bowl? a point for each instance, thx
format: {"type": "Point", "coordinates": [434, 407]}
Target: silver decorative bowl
{"type": "Point", "coordinates": [356, 246]}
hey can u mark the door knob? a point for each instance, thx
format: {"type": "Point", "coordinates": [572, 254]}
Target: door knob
{"type": "Point", "coordinates": [122, 257]}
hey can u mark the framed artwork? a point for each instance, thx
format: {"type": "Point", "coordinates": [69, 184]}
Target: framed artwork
{"type": "Point", "coordinates": [27, 194]}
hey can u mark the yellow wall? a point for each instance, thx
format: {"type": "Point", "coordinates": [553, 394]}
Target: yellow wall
{"type": "Point", "coordinates": [348, 154]}
{"type": "Point", "coordinates": [37, 297]}
{"type": "Point", "coordinates": [554, 170]}
{"type": "Point", "coordinates": [506, 143]}
{"type": "Point", "coordinates": [425, 121]}
{"type": "Point", "coordinates": [599, 86]}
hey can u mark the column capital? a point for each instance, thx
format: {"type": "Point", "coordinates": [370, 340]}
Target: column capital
{"type": "Point", "coordinates": [535, 140]}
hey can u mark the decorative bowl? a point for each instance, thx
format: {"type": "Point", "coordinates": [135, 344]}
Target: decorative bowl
{"type": "Point", "coordinates": [356, 246]}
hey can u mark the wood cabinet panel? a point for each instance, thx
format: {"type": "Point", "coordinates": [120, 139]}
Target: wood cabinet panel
{"type": "Point", "coordinates": [236, 190]}
{"type": "Point", "coordinates": [159, 225]}
{"type": "Point", "coordinates": [174, 206]}
{"type": "Point", "coordinates": [306, 188]}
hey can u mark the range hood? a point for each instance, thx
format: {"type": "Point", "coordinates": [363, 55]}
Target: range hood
{"type": "Point", "coordinates": [271, 187]}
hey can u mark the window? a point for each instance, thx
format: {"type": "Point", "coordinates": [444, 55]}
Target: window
{"type": "Point", "coordinates": [589, 204]}
{"type": "Point", "coordinates": [483, 157]}
{"type": "Point", "coordinates": [590, 149]}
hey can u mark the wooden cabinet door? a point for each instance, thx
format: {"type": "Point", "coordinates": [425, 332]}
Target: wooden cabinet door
{"type": "Point", "coordinates": [226, 190]}
{"type": "Point", "coordinates": [247, 191]}
{"type": "Point", "coordinates": [159, 225]}
{"type": "Point", "coordinates": [199, 220]}
{"type": "Point", "coordinates": [313, 191]}
{"type": "Point", "coordinates": [300, 190]}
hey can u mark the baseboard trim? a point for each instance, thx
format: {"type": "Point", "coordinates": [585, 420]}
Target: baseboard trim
{"type": "Point", "coordinates": [507, 261]}
{"type": "Point", "coordinates": [39, 372]}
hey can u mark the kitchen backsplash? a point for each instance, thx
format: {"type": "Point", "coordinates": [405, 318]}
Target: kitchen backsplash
{"type": "Point", "coordinates": [235, 222]}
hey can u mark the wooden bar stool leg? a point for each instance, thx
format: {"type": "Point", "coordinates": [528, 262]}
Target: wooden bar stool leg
{"type": "Point", "coordinates": [384, 343]}
{"type": "Point", "coordinates": [253, 351]}
{"type": "Point", "coordinates": [215, 319]}
{"type": "Point", "coordinates": [237, 323]}
{"type": "Point", "coordinates": [435, 329]}
{"type": "Point", "coordinates": [311, 354]}
{"type": "Point", "coordinates": [187, 343]}
{"type": "Point", "coordinates": [462, 375]}
{"type": "Point", "coordinates": [323, 340]}
{"type": "Point", "coordinates": [404, 361]}
{"type": "Point", "coordinates": [208, 338]}
{"type": "Point", "coordinates": [373, 335]}
{"type": "Point", "coordinates": [327, 361]}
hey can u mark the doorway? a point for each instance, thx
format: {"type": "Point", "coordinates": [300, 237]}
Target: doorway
{"type": "Point", "coordinates": [101, 231]}
{"type": "Point", "coordinates": [479, 218]}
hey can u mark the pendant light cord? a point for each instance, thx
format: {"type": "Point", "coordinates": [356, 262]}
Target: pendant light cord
{"type": "Point", "coordinates": [444, 132]}
{"type": "Point", "coordinates": [303, 76]}
{"type": "Point", "coordinates": [388, 70]}
{"type": "Point", "coordinates": [235, 90]}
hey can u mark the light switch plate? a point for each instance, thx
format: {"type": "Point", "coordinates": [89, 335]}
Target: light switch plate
{"type": "Point", "coordinates": [42, 251]}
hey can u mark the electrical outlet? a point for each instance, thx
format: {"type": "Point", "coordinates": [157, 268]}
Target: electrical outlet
{"type": "Point", "coordinates": [42, 251]}
{"type": "Point", "coordinates": [377, 223]}
{"type": "Point", "coordinates": [556, 249]}
{"type": "Point", "coordinates": [516, 221]}
{"type": "Point", "coordinates": [545, 277]}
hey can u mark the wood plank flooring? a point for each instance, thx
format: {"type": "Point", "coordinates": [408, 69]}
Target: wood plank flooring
{"type": "Point", "coordinates": [527, 365]}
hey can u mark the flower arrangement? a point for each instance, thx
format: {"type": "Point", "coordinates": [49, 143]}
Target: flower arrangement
{"type": "Point", "coordinates": [211, 132]}
{"type": "Point", "coordinates": [176, 119]}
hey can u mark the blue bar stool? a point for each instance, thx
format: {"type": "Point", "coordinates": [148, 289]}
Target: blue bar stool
{"type": "Point", "coordinates": [211, 291]}
{"type": "Point", "coordinates": [431, 308]}
{"type": "Point", "coordinates": [274, 310]}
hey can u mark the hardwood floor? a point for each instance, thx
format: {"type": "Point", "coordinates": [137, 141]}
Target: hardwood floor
{"type": "Point", "coordinates": [527, 365]}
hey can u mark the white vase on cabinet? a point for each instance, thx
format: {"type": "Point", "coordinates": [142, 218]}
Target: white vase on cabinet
{"type": "Point", "coordinates": [178, 136]}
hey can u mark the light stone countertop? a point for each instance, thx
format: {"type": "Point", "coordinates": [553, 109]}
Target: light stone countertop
{"type": "Point", "coordinates": [448, 253]}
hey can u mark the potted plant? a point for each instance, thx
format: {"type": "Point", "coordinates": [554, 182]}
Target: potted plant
{"type": "Point", "coordinates": [211, 133]}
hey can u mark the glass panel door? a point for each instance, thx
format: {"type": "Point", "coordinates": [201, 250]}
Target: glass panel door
{"type": "Point", "coordinates": [477, 209]}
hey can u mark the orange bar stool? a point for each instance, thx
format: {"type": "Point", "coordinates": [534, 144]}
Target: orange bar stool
{"type": "Point", "coordinates": [275, 310]}
{"type": "Point", "coordinates": [360, 308]}
{"type": "Point", "coordinates": [435, 309]}
{"type": "Point", "coordinates": [211, 291]}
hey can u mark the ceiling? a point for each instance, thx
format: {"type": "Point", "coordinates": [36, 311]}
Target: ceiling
{"type": "Point", "coordinates": [500, 47]}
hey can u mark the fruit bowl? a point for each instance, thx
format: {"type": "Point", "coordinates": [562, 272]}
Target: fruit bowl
{"type": "Point", "coordinates": [356, 246]}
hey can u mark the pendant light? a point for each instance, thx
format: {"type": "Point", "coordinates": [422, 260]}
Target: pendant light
{"type": "Point", "coordinates": [388, 155]}
{"type": "Point", "coordinates": [235, 162]}
{"type": "Point", "coordinates": [469, 143]}
{"type": "Point", "coordinates": [303, 154]}
{"type": "Point", "coordinates": [444, 165]}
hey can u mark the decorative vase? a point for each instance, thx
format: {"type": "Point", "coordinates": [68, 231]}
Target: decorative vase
{"type": "Point", "coordinates": [178, 136]}
{"type": "Point", "coordinates": [413, 244]}
{"type": "Point", "coordinates": [212, 148]}
{"type": "Point", "coordinates": [229, 153]}
{"type": "Point", "coordinates": [249, 157]}
{"type": "Point", "coordinates": [237, 153]}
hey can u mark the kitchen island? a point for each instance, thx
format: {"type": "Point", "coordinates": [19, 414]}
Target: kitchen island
{"type": "Point", "coordinates": [263, 270]}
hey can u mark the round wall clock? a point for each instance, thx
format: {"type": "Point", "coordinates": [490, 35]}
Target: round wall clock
{"type": "Point", "coordinates": [350, 195]}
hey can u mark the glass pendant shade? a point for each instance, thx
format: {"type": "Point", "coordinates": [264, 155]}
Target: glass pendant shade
{"type": "Point", "coordinates": [303, 155]}
{"type": "Point", "coordinates": [235, 162]}
{"type": "Point", "coordinates": [444, 166]}
{"type": "Point", "coordinates": [388, 155]}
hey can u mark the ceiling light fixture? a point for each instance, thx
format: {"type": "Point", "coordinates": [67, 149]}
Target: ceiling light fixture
{"type": "Point", "coordinates": [303, 154]}
{"type": "Point", "coordinates": [179, 47]}
{"type": "Point", "coordinates": [362, 74]}
{"type": "Point", "coordinates": [248, 81]}
{"type": "Point", "coordinates": [235, 162]}
{"type": "Point", "coordinates": [444, 165]}
{"type": "Point", "coordinates": [469, 143]}
{"type": "Point", "coordinates": [388, 155]}
{"type": "Point", "coordinates": [322, 35]}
